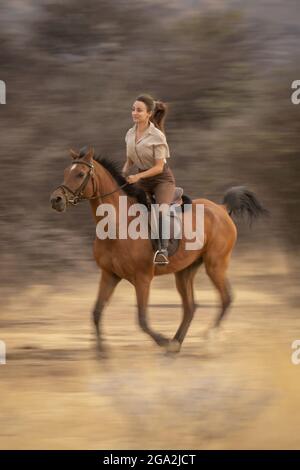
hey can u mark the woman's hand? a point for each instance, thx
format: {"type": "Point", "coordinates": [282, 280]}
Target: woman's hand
{"type": "Point", "coordinates": [133, 178]}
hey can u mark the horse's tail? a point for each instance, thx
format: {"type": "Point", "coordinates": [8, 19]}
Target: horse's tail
{"type": "Point", "coordinates": [239, 201]}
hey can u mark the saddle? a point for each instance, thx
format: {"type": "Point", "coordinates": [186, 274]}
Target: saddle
{"type": "Point", "coordinates": [178, 198]}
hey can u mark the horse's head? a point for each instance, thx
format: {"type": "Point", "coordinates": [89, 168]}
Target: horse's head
{"type": "Point", "coordinates": [79, 182]}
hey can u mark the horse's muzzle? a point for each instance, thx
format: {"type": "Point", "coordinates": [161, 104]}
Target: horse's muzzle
{"type": "Point", "coordinates": [58, 202]}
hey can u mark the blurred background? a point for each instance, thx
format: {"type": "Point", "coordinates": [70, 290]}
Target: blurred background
{"type": "Point", "coordinates": [72, 71]}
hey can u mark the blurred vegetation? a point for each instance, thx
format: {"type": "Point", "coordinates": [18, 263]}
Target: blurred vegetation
{"type": "Point", "coordinates": [72, 70]}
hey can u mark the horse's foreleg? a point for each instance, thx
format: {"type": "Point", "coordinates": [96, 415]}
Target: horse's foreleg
{"type": "Point", "coordinates": [142, 288]}
{"type": "Point", "coordinates": [108, 283]}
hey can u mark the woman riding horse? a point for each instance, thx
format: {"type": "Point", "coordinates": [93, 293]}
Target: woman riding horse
{"type": "Point", "coordinates": [98, 181]}
{"type": "Point", "coordinates": [148, 150]}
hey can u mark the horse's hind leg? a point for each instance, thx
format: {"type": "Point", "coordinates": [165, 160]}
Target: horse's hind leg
{"type": "Point", "coordinates": [216, 269]}
{"type": "Point", "coordinates": [108, 283]}
{"type": "Point", "coordinates": [142, 288]}
{"type": "Point", "coordinates": [184, 283]}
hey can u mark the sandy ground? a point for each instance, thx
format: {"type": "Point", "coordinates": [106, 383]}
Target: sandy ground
{"type": "Point", "coordinates": [239, 391]}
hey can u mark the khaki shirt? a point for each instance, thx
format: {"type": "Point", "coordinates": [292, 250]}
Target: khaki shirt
{"type": "Point", "coordinates": [151, 146]}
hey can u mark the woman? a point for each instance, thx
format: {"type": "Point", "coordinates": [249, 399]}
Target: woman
{"type": "Point", "coordinates": [147, 149]}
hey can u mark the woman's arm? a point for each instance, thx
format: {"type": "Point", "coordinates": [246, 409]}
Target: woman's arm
{"type": "Point", "coordinates": [155, 170]}
{"type": "Point", "coordinates": [126, 167]}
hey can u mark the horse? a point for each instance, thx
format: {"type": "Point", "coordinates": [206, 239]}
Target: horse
{"type": "Point", "coordinates": [98, 180]}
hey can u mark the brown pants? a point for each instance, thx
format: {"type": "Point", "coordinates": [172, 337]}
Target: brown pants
{"type": "Point", "coordinates": [162, 185]}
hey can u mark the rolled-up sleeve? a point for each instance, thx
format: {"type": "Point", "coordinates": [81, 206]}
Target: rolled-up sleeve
{"type": "Point", "coordinates": [160, 151]}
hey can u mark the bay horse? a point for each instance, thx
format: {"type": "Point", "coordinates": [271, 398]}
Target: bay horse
{"type": "Point", "coordinates": [99, 180]}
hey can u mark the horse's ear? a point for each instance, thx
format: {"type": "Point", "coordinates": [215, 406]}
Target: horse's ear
{"type": "Point", "coordinates": [90, 154]}
{"type": "Point", "coordinates": [74, 155]}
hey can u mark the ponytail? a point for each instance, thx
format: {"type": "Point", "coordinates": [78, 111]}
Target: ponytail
{"type": "Point", "coordinates": [159, 115]}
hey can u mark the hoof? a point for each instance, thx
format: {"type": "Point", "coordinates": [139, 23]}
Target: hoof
{"type": "Point", "coordinates": [216, 335]}
{"type": "Point", "coordinates": [174, 346]}
{"type": "Point", "coordinates": [102, 353]}
{"type": "Point", "coordinates": [212, 334]}
{"type": "Point", "coordinates": [101, 349]}
{"type": "Point", "coordinates": [162, 341]}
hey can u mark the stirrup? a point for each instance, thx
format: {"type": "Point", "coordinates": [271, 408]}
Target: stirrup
{"type": "Point", "coordinates": [160, 258]}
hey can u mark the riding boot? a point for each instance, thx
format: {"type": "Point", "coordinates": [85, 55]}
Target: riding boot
{"type": "Point", "coordinates": [161, 255]}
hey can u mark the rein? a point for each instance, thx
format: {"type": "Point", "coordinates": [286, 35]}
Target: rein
{"type": "Point", "coordinates": [77, 195]}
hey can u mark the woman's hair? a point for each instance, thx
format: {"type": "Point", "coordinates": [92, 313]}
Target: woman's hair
{"type": "Point", "coordinates": [159, 110]}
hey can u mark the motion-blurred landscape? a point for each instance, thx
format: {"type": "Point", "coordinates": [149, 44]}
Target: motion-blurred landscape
{"type": "Point", "coordinates": [72, 70]}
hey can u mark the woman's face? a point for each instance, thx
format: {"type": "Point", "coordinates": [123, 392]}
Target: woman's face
{"type": "Point", "coordinates": [139, 112]}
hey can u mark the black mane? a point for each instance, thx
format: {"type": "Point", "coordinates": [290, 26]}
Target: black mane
{"type": "Point", "coordinates": [114, 168]}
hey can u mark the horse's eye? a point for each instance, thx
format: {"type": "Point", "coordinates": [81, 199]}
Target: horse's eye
{"type": "Point", "coordinates": [80, 175]}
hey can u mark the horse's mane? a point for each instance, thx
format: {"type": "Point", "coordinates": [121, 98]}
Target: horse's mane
{"type": "Point", "coordinates": [114, 168]}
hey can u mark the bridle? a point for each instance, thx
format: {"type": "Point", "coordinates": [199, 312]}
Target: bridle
{"type": "Point", "coordinates": [77, 195]}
